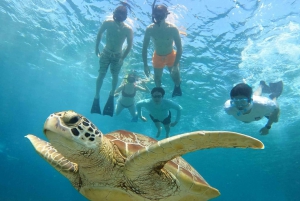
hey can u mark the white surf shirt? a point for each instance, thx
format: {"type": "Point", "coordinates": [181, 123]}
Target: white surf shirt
{"type": "Point", "coordinates": [262, 106]}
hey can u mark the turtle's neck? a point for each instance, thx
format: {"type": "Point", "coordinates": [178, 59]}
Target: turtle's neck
{"type": "Point", "coordinates": [102, 162]}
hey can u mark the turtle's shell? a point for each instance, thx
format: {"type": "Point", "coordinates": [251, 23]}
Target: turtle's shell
{"type": "Point", "coordinates": [129, 143]}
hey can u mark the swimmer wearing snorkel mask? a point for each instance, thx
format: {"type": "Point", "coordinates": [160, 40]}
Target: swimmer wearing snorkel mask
{"type": "Point", "coordinates": [163, 35]}
{"type": "Point", "coordinates": [247, 107]}
{"type": "Point", "coordinates": [112, 54]}
{"type": "Point", "coordinates": [127, 92]}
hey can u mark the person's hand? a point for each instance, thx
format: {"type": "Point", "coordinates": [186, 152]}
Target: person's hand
{"type": "Point", "coordinates": [143, 83]}
{"type": "Point", "coordinates": [144, 119]}
{"type": "Point", "coordinates": [173, 124]}
{"type": "Point", "coordinates": [264, 131]}
{"type": "Point", "coordinates": [147, 71]}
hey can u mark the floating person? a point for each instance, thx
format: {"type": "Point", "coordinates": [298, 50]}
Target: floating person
{"type": "Point", "coordinates": [159, 109]}
{"type": "Point", "coordinates": [112, 55]}
{"type": "Point", "coordinates": [126, 99]}
{"type": "Point", "coordinates": [163, 35]}
{"type": "Point", "coordinates": [247, 108]}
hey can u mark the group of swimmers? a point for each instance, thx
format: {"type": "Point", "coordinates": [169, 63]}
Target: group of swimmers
{"type": "Point", "coordinates": [242, 105]}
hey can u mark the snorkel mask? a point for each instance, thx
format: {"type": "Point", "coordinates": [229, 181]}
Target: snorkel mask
{"type": "Point", "coordinates": [131, 79]}
{"type": "Point", "coordinates": [242, 104]}
{"type": "Point", "coordinates": [159, 13]}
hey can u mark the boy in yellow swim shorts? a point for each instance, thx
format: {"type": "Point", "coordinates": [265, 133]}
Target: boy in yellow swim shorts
{"type": "Point", "coordinates": [163, 35]}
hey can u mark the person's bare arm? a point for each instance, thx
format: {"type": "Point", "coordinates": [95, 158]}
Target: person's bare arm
{"type": "Point", "coordinates": [145, 51]}
{"type": "Point", "coordinates": [178, 45]}
{"type": "Point", "coordinates": [144, 88]}
{"type": "Point", "coordinates": [129, 40]}
{"type": "Point", "coordinates": [99, 36]}
{"type": "Point", "coordinates": [272, 118]}
{"type": "Point", "coordinates": [120, 88]}
{"type": "Point", "coordinates": [178, 108]}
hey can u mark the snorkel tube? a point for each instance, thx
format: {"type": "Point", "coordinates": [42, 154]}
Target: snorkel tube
{"type": "Point", "coordinates": [153, 6]}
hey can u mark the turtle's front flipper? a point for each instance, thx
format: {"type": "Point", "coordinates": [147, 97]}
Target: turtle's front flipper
{"type": "Point", "coordinates": [159, 153]}
{"type": "Point", "coordinates": [54, 158]}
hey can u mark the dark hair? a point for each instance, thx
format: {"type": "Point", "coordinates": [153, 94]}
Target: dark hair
{"type": "Point", "coordinates": [131, 77]}
{"type": "Point", "coordinates": [159, 12]}
{"type": "Point", "coordinates": [241, 89]}
{"type": "Point", "coordinates": [120, 13]}
{"type": "Point", "coordinates": [158, 89]}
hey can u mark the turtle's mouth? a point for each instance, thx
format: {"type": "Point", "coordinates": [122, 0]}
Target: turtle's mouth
{"type": "Point", "coordinates": [45, 131]}
{"type": "Point", "coordinates": [48, 133]}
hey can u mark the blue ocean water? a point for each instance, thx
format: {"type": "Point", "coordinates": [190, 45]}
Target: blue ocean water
{"type": "Point", "coordinates": [48, 64]}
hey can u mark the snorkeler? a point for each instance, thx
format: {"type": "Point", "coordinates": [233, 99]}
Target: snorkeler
{"type": "Point", "coordinates": [126, 99]}
{"type": "Point", "coordinates": [112, 55]}
{"type": "Point", "coordinates": [159, 109]}
{"type": "Point", "coordinates": [163, 35]}
{"type": "Point", "coordinates": [247, 108]}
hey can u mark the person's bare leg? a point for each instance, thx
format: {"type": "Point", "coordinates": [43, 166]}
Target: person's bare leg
{"type": "Point", "coordinates": [175, 75]}
{"type": "Point", "coordinates": [132, 111]}
{"type": "Point", "coordinates": [119, 108]}
{"type": "Point", "coordinates": [157, 76]}
{"type": "Point", "coordinates": [157, 124]}
{"type": "Point", "coordinates": [115, 79]}
{"type": "Point", "coordinates": [99, 83]}
{"type": "Point", "coordinates": [167, 128]}
{"type": "Point", "coordinates": [258, 91]}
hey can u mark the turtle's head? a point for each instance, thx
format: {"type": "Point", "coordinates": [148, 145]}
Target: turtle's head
{"type": "Point", "coordinates": [72, 134]}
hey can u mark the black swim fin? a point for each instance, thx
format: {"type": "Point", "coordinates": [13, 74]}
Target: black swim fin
{"type": "Point", "coordinates": [96, 106]}
{"type": "Point", "coordinates": [177, 91]}
{"type": "Point", "coordinates": [276, 89]}
{"type": "Point", "coordinates": [265, 87]}
{"type": "Point", "coordinates": [109, 106]}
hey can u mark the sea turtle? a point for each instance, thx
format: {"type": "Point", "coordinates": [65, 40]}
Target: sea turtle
{"type": "Point", "coordinates": [127, 166]}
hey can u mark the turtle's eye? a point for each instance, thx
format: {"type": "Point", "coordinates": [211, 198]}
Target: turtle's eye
{"type": "Point", "coordinates": [74, 120]}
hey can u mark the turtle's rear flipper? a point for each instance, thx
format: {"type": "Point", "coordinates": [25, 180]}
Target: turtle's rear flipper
{"type": "Point", "coordinates": [109, 106]}
{"type": "Point", "coordinates": [96, 106]}
{"type": "Point", "coordinates": [276, 89]}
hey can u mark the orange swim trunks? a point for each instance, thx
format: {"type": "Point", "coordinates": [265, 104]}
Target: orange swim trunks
{"type": "Point", "coordinates": [162, 61]}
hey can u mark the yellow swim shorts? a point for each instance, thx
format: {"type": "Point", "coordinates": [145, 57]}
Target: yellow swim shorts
{"type": "Point", "coordinates": [162, 61]}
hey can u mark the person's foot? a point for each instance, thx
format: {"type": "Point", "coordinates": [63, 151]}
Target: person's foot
{"type": "Point", "coordinates": [276, 89]}
{"type": "Point", "coordinates": [265, 88]}
{"type": "Point", "coordinates": [177, 91]}
{"type": "Point", "coordinates": [96, 106]}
